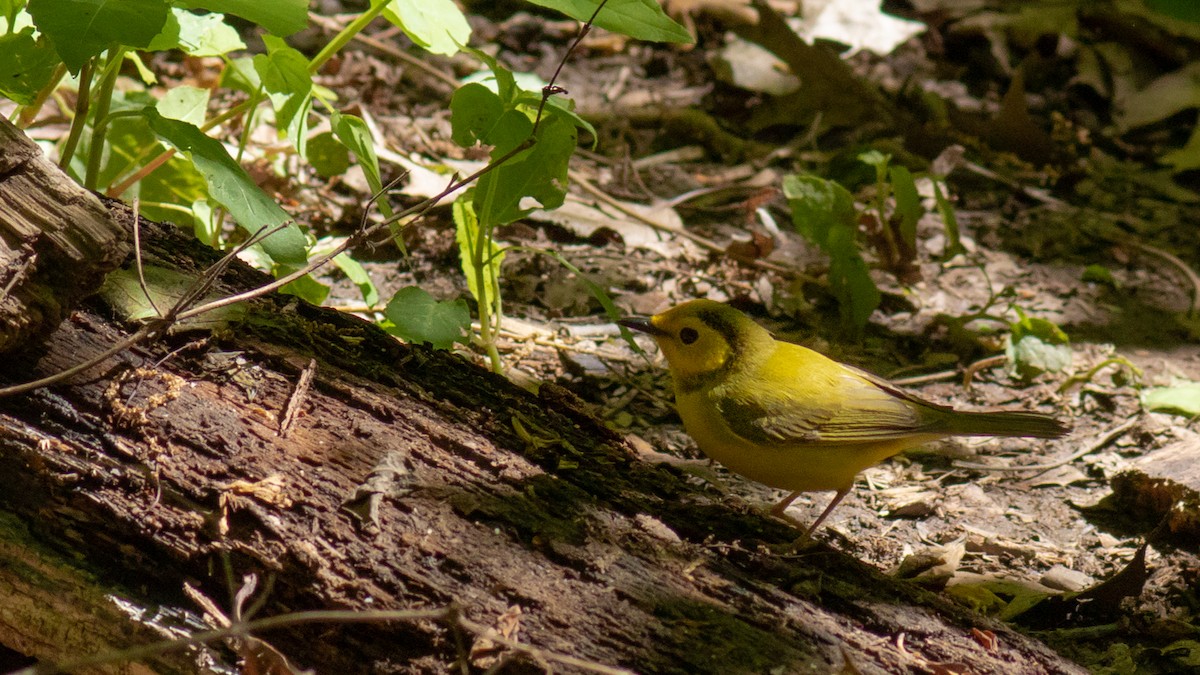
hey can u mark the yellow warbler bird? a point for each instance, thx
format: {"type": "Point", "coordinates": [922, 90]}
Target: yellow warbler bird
{"type": "Point", "coordinates": [790, 418]}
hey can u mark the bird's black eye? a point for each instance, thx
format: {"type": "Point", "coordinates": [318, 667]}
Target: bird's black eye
{"type": "Point", "coordinates": [688, 335]}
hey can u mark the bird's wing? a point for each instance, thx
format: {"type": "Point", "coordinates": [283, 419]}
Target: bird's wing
{"type": "Point", "coordinates": [857, 407]}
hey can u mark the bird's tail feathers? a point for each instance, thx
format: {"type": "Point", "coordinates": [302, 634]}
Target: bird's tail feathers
{"type": "Point", "coordinates": [1008, 423]}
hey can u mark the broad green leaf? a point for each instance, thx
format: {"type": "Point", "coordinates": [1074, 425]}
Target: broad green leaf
{"type": "Point", "coordinates": [1184, 10]}
{"type": "Point", "coordinates": [824, 213]}
{"type": "Point", "coordinates": [474, 110]}
{"type": "Point", "coordinates": [558, 105]}
{"type": "Point", "coordinates": [241, 75]}
{"type": "Point", "coordinates": [418, 317]}
{"type": "Point", "coordinates": [641, 19]}
{"type": "Point", "coordinates": [818, 206]}
{"type": "Point", "coordinates": [184, 103]}
{"type": "Point", "coordinates": [205, 224]}
{"type": "Point", "coordinates": [284, 74]}
{"type": "Point", "coordinates": [437, 25]}
{"type": "Point", "coordinates": [1186, 158]}
{"type": "Point", "coordinates": [1031, 356]}
{"type": "Point", "coordinates": [229, 184]}
{"type": "Point", "coordinates": [540, 173]}
{"type": "Point", "coordinates": [875, 158]}
{"type": "Point", "coordinates": [197, 35]}
{"type": "Point", "coordinates": [1099, 274]}
{"type": "Point", "coordinates": [850, 280]}
{"type": "Point", "coordinates": [1036, 346]}
{"type": "Point", "coordinates": [279, 17]}
{"type": "Point", "coordinates": [176, 182]}
{"type": "Point", "coordinates": [123, 291]}
{"type": "Point", "coordinates": [81, 29]}
{"type": "Point", "coordinates": [327, 155]}
{"type": "Point", "coordinates": [1182, 398]}
{"type": "Point", "coordinates": [128, 140]}
{"type": "Point", "coordinates": [26, 65]}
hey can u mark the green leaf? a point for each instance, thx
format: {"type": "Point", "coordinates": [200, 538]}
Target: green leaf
{"type": "Point", "coordinates": [229, 184]}
{"type": "Point", "coordinates": [355, 272]}
{"type": "Point", "coordinates": [1099, 274]}
{"type": "Point", "coordinates": [184, 103]}
{"type": "Point", "coordinates": [354, 133]}
{"type": "Point", "coordinates": [279, 17]}
{"type": "Point", "coordinates": [327, 155]}
{"type": "Point", "coordinates": [505, 84]}
{"type": "Point", "coordinates": [818, 206]}
{"type": "Point", "coordinates": [557, 105]}
{"type": "Point", "coordinates": [875, 158]}
{"type": "Point", "coordinates": [1036, 346]}
{"type": "Point", "coordinates": [240, 75]}
{"type": "Point", "coordinates": [1184, 10]}
{"type": "Point", "coordinates": [81, 29]}
{"type": "Point", "coordinates": [164, 288]}
{"type": "Point", "coordinates": [306, 287]}
{"type": "Point", "coordinates": [417, 317]}
{"type": "Point", "coordinates": [954, 244]}
{"type": "Point", "coordinates": [437, 25]}
{"type": "Point", "coordinates": [474, 111]}
{"type": "Point", "coordinates": [129, 141]}
{"type": "Point", "coordinates": [908, 204]}
{"type": "Point", "coordinates": [284, 74]}
{"type": "Point", "coordinates": [641, 19]}
{"type": "Point", "coordinates": [850, 280]}
{"type": "Point", "coordinates": [26, 65]}
{"type": "Point", "coordinates": [197, 35]}
{"type": "Point", "coordinates": [540, 173]}
{"type": "Point", "coordinates": [824, 213]}
{"type": "Point", "coordinates": [1181, 398]}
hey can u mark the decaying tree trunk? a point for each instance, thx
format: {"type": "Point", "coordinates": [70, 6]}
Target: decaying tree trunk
{"type": "Point", "coordinates": [406, 478]}
{"type": "Point", "coordinates": [57, 241]}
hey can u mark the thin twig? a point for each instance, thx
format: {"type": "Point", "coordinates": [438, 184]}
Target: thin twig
{"type": "Point", "coordinates": [1183, 267]}
{"type": "Point", "coordinates": [450, 615]}
{"type": "Point", "coordinates": [137, 254]}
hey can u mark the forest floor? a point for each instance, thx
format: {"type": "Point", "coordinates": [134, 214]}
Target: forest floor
{"type": "Point", "coordinates": [1000, 535]}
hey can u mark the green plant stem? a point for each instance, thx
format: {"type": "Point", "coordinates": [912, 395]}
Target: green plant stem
{"type": "Point", "coordinates": [345, 35]}
{"type": "Point", "coordinates": [487, 296]}
{"type": "Point", "coordinates": [103, 103]}
{"type": "Point", "coordinates": [29, 113]}
{"type": "Point", "coordinates": [81, 113]}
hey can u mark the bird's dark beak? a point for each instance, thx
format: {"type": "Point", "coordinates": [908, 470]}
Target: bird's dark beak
{"type": "Point", "coordinates": [642, 325]}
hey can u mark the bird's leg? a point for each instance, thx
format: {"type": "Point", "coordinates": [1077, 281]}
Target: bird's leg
{"type": "Point", "coordinates": [781, 507]}
{"type": "Point", "coordinates": [828, 509]}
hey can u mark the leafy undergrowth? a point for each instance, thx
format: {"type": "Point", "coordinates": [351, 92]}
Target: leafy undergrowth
{"type": "Point", "coordinates": [996, 201]}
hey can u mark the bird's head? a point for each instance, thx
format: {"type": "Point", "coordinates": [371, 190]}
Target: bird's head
{"type": "Point", "coordinates": [703, 340]}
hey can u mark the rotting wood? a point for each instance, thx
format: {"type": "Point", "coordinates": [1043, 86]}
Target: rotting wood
{"type": "Point", "coordinates": [57, 241]}
{"type": "Point", "coordinates": [610, 559]}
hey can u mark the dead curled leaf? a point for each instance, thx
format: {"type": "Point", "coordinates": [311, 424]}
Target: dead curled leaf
{"type": "Point", "coordinates": [485, 651]}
